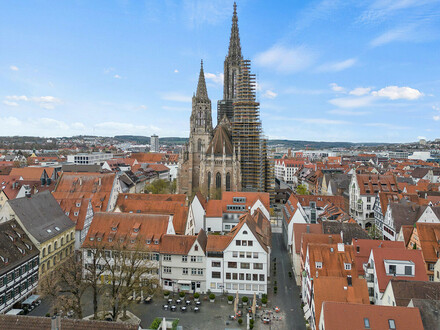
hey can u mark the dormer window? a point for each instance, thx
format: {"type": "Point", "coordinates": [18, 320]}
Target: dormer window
{"type": "Point", "coordinates": [99, 239]}
{"type": "Point", "coordinates": [75, 214]}
{"type": "Point", "coordinates": [114, 228]}
{"type": "Point", "coordinates": [78, 204]}
{"type": "Point", "coordinates": [148, 241]}
{"type": "Point", "coordinates": [318, 264]}
{"type": "Point", "coordinates": [136, 230]}
{"type": "Point", "coordinates": [121, 240]}
{"type": "Point", "coordinates": [67, 213]}
{"type": "Point", "coordinates": [132, 241]}
{"type": "Point", "coordinates": [347, 266]}
{"type": "Point", "coordinates": [156, 241]}
{"type": "Point", "coordinates": [110, 239]}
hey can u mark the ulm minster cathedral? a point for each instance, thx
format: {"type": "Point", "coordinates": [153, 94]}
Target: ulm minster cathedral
{"type": "Point", "coordinates": [233, 156]}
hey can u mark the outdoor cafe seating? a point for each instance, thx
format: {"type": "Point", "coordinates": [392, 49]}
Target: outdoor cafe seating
{"type": "Point", "coordinates": [173, 308]}
{"type": "Point", "coordinates": [183, 308]}
{"type": "Point", "coordinates": [178, 301]}
{"type": "Point", "coordinates": [198, 303]}
{"type": "Point", "coordinates": [188, 302]}
{"type": "Point", "coordinates": [165, 307]}
{"type": "Point", "coordinates": [196, 309]}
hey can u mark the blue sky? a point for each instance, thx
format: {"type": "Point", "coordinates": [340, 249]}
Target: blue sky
{"type": "Point", "coordinates": [328, 70]}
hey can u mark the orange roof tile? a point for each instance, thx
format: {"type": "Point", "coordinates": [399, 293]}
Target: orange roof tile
{"type": "Point", "coordinates": [175, 208]}
{"type": "Point", "coordinates": [333, 261]}
{"type": "Point", "coordinates": [217, 243]}
{"type": "Point", "coordinates": [302, 228]}
{"type": "Point", "coordinates": [29, 173]}
{"type": "Point", "coordinates": [380, 255]}
{"type": "Point", "coordinates": [337, 289]}
{"type": "Point", "coordinates": [151, 227]}
{"type": "Point", "coordinates": [96, 186]}
{"type": "Point", "coordinates": [310, 238]}
{"type": "Point", "coordinates": [348, 316]}
{"type": "Point", "coordinates": [177, 244]}
{"type": "Point", "coordinates": [363, 249]}
{"type": "Point", "coordinates": [371, 184]}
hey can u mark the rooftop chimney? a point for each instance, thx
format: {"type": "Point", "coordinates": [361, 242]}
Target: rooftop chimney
{"type": "Point", "coordinates": [341, 247]}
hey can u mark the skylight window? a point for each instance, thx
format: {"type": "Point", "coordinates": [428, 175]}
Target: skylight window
{"type": "Point", "coordinates": [57, 228]}
{"type": "Point", "coordinates": [49, 230]}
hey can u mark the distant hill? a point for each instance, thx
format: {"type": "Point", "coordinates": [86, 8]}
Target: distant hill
{"type": "Point", "coordinates": [146, 139]}
{"type": "Point", "coordinates": [319, 144]}
{"type": "Point", "coordinates": [287, 143]}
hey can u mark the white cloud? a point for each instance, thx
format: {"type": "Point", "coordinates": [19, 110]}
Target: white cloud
{"type": "Point", "coordinates": [17, 97]}
{"type": "Point", "coordinates": [359, 91]}
{"type": "Point", "coordinates": [286, 60]}
{"type": "Point", "coordinates": [176, 97]}
{"type": "Point", "coordinates": [270, 94]}
{"type": "Point", "coordinates": [116, 128]}
{"type": "Point", "coordinates": [14, 68]}
{"type": "Point", "coordinates": [396, 93]}
{"type": "Point", "coordinates": [348, 112]}
{"type": "Point", "coordinates": [39, 126]}
{"type": "Point", "coordinates": [421, 138]}
{"type": "Point", "coordinates": [402, 33]}
{"type": "Point", "coordinates": [352, 102]}
{"type": "Point", "coordinates": [336, 88]}
{"type": "Point", "coordinates": [385, 125]}
{"type": "Point", "coordinates": [215, 78]}
{"type": "Point", "coordinates": [10, 103]}
{"type": "Point", "coordinates": [434, 107]}
{"type": "Point", "coordinates": [116, 76]}
{"type": "Point", "coordinates": [337, 66]}
{"type": "Point", "coordinates": [176, 71]}
{"type": "Point", "coordinates": [436, 118]}
{"type": "Point", "coordinates": [381, 9]}
{"type": "Point", "coordinates": [46, 102]}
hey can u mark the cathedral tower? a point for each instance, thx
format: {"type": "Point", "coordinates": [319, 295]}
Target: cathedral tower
{"type": "Point", "coordinates": [199, 137]}
{"type": "Point", "coordinates": [231, 72]}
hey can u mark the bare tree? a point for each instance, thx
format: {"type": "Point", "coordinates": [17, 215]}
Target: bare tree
{"type": "Point", "coordinates": [72, 286]}
{"type": "Point", "coordinates": [48, 287]}
{"type": "Point", "coordinates": [93, 271]}
{"type": "Point", "coordinates": [128, 269]}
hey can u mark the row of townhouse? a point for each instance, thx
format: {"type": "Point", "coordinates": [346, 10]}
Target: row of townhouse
{"type": "Point", "coordinates": [236, 261]}
{"type": "Point", "coordinates": [356, 272]}
{"type": "Point", "coordinates": [36, 237]}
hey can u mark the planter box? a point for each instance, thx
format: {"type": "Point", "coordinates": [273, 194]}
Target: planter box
{"type": "Point", "coordinates": [211, 300]}
{"type": "Point", "coordinates": [264, 305]}
{"type": "Point", "coordinates": [196, 299]}
{"type": "Point", "coordinates": [230, 302]}
{"type": "Point", "coordinates": [166, 297]}
{"type": "Point", "coordinates": [245, 303]}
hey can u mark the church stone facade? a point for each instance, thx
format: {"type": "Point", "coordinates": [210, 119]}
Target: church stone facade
{"type": "Point", "coordinates": [211, 160]}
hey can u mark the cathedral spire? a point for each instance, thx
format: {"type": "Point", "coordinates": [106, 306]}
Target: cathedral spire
{"type": "Point", "coordinates": [202, 92]}
{"type": "Point", "coordinates": [234, 41]}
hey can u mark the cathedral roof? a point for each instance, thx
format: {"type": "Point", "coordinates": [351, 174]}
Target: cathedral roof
{"type": "Point", "coordinates": [222, 138]}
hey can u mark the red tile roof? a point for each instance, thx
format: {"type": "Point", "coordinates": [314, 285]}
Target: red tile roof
{"type": "Point", "coordinates": [96, 186]}
{"type": "Point", "coordinates": [151, 227]}
{"type": "Point", "coordinates": [29, 173]}
{"type": "Point", "coordinates": [337, 289]}
{"type": "Point", "coordinates": [301, 228]}
{"type": "Point", "coordinates": [177, 209]}
{"type": "Point", "coordinates": [347, 316]}
{"type": "Point", "coordinates": [363, 249]}
{"type": "Point", "coordinates": [371, 184]}
{"type": "Point", "coordinates": [381, 254]}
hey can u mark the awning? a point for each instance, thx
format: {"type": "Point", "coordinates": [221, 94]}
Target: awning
{"type": "Point", "coordinates": [31, 299]}
{"type": "Point", "coordinates": [184, 282]}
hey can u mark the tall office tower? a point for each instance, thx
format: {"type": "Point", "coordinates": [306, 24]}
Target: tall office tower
{"type": "Point", "coordinates": [154, 143]}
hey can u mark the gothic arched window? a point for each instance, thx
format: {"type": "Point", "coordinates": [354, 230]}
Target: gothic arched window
{"type": "Point", "coordinates": [218, 180]}
{"type": "Point", "coordinates": [199, 145]}
{"type": "Point", "coordinates": [209, 181]}
{"type": "Point", "coordinates": [228, 181]}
